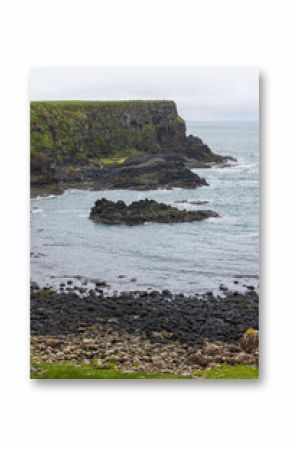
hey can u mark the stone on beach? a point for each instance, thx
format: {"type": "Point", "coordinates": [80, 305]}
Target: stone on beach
{"type": "Point", "coordinates": [250, 340]}
{"type": "Point", "coordinates": [136, 331]}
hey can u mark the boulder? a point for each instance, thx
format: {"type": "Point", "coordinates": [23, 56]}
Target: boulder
{"type": "Point", "coordinates": [250, 340]}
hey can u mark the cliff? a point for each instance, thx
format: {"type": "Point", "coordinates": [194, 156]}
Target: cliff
{"type": "Point", "coordinates": [70, 135]}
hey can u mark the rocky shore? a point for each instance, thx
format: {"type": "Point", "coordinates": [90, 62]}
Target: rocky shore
{"type": "Point", "coordinates": [144, 173]}
{"type": "Point", "coordinates": [142, 331]}
{"type": "Point", "coordinates": [140, 212]}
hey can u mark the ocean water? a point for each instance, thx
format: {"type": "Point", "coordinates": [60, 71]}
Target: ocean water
{"type": "Point", "coordinates": [187, 257]}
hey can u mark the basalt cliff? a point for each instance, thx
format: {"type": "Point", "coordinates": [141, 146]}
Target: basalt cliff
{"type": "Point", "coordinates": [120, 144]}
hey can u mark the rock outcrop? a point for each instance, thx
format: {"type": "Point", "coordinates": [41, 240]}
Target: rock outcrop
{"type": "Point", "coordinates": [141, 175]}
{"type": "Point", "coordinates": [73, 141]}
{"type": "Point", "coordinates": [139, 212]}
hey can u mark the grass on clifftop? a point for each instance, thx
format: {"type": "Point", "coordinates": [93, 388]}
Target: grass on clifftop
{"type": "Point", "coordinates": [101, 103]}
{"type": "Point", "coordinates": [67, 371]}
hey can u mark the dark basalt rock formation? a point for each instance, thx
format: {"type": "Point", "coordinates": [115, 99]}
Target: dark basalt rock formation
{"type": "Point", "coordinates": [136, 174]}
{"type": "Point", "coordinates": [139, 212]}
{"type": "Point", "coordinates": [188, 319]}
{"type": "Point", "coordinates": [75, 141]}
{"type": "Point", "coordinates": [143, 175]}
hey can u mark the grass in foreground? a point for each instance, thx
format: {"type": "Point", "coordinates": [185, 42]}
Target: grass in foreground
{"type": "Point", "coordinates": [67, 371]}
{"type": "Point", "coordinates": [230, 372]}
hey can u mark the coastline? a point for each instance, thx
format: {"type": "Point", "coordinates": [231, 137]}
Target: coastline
{"type": "Point", "coordinates": [143, 332]}
{"type": "Point", "coordinates": [90, 331]}
{"type": "Point", "coordinates": [120, 177]}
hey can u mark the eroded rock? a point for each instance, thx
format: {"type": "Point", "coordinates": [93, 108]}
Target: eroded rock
{"type": "Point", "coordinates": [139, 212]}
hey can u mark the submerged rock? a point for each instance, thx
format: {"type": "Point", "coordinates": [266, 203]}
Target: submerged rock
{"type": "Point", "coordinates": [196, 202]}
{"type": "Point", "coordinates": [139, 212]}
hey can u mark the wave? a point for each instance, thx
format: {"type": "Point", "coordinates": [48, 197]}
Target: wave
{"type": "Point", "coordinates": [239, 167]}
{"type": "Point", "coordinates": [246, 276]}
{"type": "Point", "coordinates": [39, 197]}
{"type": "Point", "coordinates": [37, 211]}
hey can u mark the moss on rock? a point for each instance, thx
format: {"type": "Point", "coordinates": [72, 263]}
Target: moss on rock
{"type": "Point", "coordinates": [69, 131]}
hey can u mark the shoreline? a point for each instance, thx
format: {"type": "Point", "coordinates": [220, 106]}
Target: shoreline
{"type": "Point", "coordinates": [59, 187]}
{"type": "Point", "coordinates": [149, 332]}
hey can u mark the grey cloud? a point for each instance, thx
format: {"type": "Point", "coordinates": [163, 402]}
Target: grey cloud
{"type": "Point", "coordinates": [200, 93]}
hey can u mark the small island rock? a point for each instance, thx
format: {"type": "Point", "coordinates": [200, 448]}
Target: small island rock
{"type": "Point", "coordinates": [139, 212]}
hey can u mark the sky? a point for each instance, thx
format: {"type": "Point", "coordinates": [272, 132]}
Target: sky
{"type": "Point", "coordinates": [201, 94]}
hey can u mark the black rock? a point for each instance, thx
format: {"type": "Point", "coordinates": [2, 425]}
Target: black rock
{"type": "Point", "coordinates": [196, 202]}
{"type": "Point", "coordinates": [100, 284]}
{"type": "Point", "coordinates": [34, 285]}
{"type": "Point", "coordinates": [167, 293]}
{"type": "Point", "coordinates": [139, 212]}
{"type": "Point", "coordinates": [188, 319]}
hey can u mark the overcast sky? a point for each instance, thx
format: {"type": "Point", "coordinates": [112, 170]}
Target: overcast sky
{"type": "Point", "coordinates": [200, 93]}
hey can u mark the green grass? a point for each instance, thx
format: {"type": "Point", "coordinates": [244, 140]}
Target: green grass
{"type": "Point", "coordinates": [230, 372]}
{"type": "Point", "coordinates": [121, 157]}
{"type": "Point", "coordinates": [95, 103]}
{"type": "Point", "coordinates": [112, 160]}
{"type": "Point", "coordinates": [68, 371]}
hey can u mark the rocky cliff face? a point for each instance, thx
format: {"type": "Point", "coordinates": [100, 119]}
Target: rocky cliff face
{"type": "Point", "coordinates": [91, 129]}
{"type": "Point", "coordinates": [67, 136]}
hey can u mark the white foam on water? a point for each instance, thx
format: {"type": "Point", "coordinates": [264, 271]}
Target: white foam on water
{"type": "Point", "coordinates": [37, 211]}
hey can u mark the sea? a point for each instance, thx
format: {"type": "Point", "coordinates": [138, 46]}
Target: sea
{"type": "Point", "coordinates": [184, 258]}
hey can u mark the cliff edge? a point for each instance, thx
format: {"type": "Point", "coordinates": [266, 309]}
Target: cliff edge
{"type": "Point", "coordinates": [71, 138]}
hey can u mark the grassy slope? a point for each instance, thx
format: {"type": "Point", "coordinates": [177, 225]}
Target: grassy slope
{"type": "Point", "coordinates": [66, 371]}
